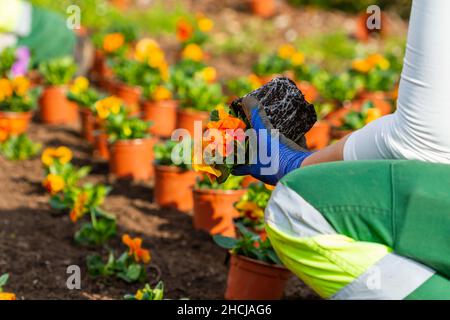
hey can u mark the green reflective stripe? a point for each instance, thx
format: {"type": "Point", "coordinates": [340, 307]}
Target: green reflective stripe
{"type": "Point", "coordinates": [291, 214]}
{"type": "Point", "coordinates": [435, 288]}
{"type": "Point", "coordinates": [392, 278]}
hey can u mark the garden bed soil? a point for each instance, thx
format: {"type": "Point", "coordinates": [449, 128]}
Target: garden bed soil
{"type": "Point", "coordinates": [36, 245]}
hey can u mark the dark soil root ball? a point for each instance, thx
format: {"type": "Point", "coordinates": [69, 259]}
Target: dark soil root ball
{"type": "Point", "coordinates": [284, 108]}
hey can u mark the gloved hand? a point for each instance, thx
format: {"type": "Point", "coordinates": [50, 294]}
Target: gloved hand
{"type": "Point", "coordinates": [283, 159]}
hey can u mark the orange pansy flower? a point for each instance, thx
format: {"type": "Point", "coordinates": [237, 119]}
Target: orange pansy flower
{"type": "Point", "coordinates": [184, 30]}
{"type": "Point", "coordinates": [135, 249]}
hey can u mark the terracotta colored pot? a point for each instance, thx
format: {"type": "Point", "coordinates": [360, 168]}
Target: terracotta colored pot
{"type": "Point", "coordinates": [263, 8]}
{"type": "Point", "coordinates": [131, 96]}
{"type": "Point", "coordinates": [187, 117]}
{"type": "Point", "coordinates": [319, 135]}
{"type": "Point", "coordinates": [132, 158]}
{"type": "Point", "coordinates": [309, 91]}
{"type": "Point", "coordinates": [214, 210]}
{"type": "Point", "coordinates": [163, 114]}
{"type": "Point", "coordinates": [101, 148]}
{"type": "Point", "coordinates": [100, 68]}
{"type": "Point", "coordinates": [362, 33]}
{"type": "Point", "coordinates": [87, 124]}
{"type": "Point", "coordinates": [15, 122]}
{"type": "Point", "coordinates": [173, 187]}
{"type": "Point", "coordinates": [55, 108]}
{"type": "Point", "coordinates": [250, 279]}
{"type": "Point", "coordinates": [379, 100]}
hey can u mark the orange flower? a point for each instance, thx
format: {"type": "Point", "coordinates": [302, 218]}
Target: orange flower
{"type": "Point", "coordinates": [3, 134]}
{"type": "Point", "coordinates": [193, 52]}
{"type": "Point", "coordinates": [53, 183]}
{"type": "Point", "coordinates": [112, 42]}
{"type": "Point", "coordinates": [78, 209]}
{"type": "Point", "coordinates": [184, 30]}
{"type": "Point", "coordinates": [20, 85]}
{"type": "Point", "coordinates": [135, 249]}
{"type": "Point", "coordinates": [161, 93]}
{"type": "Point", "coordinates": [6, 89]}
{"type": "Point", "coordinates": [226, 121]}
{"type": "Point", "coordinates": [7, 296]}
{"type": "Point", "coordinates": [250, 210]}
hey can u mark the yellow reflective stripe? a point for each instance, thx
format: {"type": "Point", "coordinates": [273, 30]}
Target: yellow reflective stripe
{"type": "Point", "coordinates": [326, 263]}
{"type": "Point", "coordinates": [10, 13]}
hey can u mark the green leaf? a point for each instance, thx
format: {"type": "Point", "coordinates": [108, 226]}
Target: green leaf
{"type": "Point", "coordinates": [3, 280]}
{"type": "Point", "coordinates": [225, 242]}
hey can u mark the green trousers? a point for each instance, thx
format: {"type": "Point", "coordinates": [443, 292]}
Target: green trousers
{"type": "Point", "coordinates": [366, 229]}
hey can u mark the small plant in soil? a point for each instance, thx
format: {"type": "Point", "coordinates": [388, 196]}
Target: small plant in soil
{"type": "Point", "coordinates": [19, 148]}
{"type": "Point", "coordinates": [148, 293]}
{"type": "Point", "coordinates": [58, 71]}
{"type": "Point", "coordinates": [284, 60]}
{"type": "Point", "coordinates": [248, 245]}
{"type": "Point", "coordinates": [375, 73]}
{"type": "Point", "coordinates": [120, 126]}
{"type": "Point", "coordinates": [200, 95]}
{"type": "Point", "coordinates": [170, 153]}
{"type": "Point", "coordinates": [5, 295]}
{"type": "Point", "coordinates": [239, 87]}
{"type": "Point", "coordinates": [252, 204]}
{"type": "Point", "coordinates": [130, 266]}
{"type": "Point", "coordinates": [232, 183]}
{"type": "Point", "coordinates": [81, 93]}
{"type": "Point", "coordinates": [194, 31]}
{"type": "Point", "coordinates": [16, 96]}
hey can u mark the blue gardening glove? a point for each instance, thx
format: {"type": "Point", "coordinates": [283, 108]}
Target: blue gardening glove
{"type": "Point", "coordinates": [270, 166]}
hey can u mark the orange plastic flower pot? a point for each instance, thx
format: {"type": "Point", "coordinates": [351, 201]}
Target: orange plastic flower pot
{"type": "Point", "coordinates": [319, 135]}
{"type": "Point", "coordinates": [15, 122]}
{"type": "Point", "coordinates": [379, 100]}
{"type": "Point", "coordinates": [163, 114]}
{"type": "Point", "coordinates": [250, 279]}
{"type": "Point", "coordinates": [186, 119]}
{"type": "Point", "coordinates": [100, 68]}
{"type": "Point", "coordinates": [263, 8]}
{"type": "Point", "coordinates": [214, 210]}
{"type": "Point", "coordinates": [131, 96]}
{"type": "Point", "coordinates": [173, 187]}
{"type": "Point", "coordinates": [132, 158]}
{"type": "Point", "coordinates": [55, 108]}
{"type": "Point", "coordinates": [87, 125]}
{"type": "Point", "coordinates": [101, 149]}
{"type": "Point", "coordinates": [309, 91]}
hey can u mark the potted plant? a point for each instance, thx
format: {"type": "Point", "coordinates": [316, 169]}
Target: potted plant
{"type": "Point", "coordinates": [5, 296]}
{"type": "Point", "coordinates": [197, 100]}
{"type": "Point", "coordinates": [355, 120]}
{"type": "Point", "coordinates": [147, 67]}
{"type": "Point", "coordinates": [378, 81]}
{"type": "Point", "coordinates": [85, 97]}
{"type": "Point", "coordinates": [19, 148]}
{"type": "Point", "coordinates": [255, 270]}
{"type": "Point", "coordinates": [173, 181]}
{"type": "Point", "coordinates": [251, 208]}
{"type": "Point", "coordinates": [55, 108]}
{"type": "Point", "coordinates": [214, 209]}
{"type": "Point", "coordinates": [318, 137]}
{"type": "Point", "coordinates": [130, 145]}
{"type": "Point", "coordinates": [239, 87]}
{"type": "Point", "coordinates": [263, 8]}
{"type": "Point", "coordinates": [148, 293]}
{"type": "Point", "coordinates": [16, 104]}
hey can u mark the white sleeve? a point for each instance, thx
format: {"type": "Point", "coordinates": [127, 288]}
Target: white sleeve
{"type": "Point", "coordinates": [420, 128]}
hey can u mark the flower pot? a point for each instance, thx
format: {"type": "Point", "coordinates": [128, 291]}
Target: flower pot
{"type": "Point", "coordinates": [319, 135]}
{"type": "Point", "coordinates": [173, 187]}
{"type": "Point", "coordinates": [363, 34]}
{"type": "Point", "coordinates": [100, 68]}
{"type": "Point", "coordinates": [214, 210]}
{"type": "Point", "coordinates": [249, 279]}
{"type": "Point", "coordinates": [379, 100]}
{"type": "Point", "coordinates": [55, 108]}
{"type": "Point", "coordinates": [309, 91]}
{"type": "Point", "coordinates": [88, 125]}
{"type": "Point", "coordinates": [15, 123]}
{"type": "Point", "coordinates": [132, 158]}
{"type": "Point", "coordinates": [163, 114]}
{"type": "Point", "coordinates": [186, 119]}
{"type": "Point", "coordinates": [263, 8]}
{"type": "Point", "coordinates": [101, 149]}
{"type": "Point", "coordinates": [130, 95]}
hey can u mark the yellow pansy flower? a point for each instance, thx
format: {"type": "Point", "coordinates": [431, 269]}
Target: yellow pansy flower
{"type": "Point", "coordinates": [112, 42]}
{"type": "Point", "coordinates": [5, 296]}
{"type": "Point", "coordinates": [372, 114]}
{"type": "Point", "coordinates": [6, 89]}
{"type": "Point", "coordinates": [205, 24]}
{"type": "Point", "coordinates": [139, 295]}
{"type": "Point", "coordinates": [209, 74]}
{"type": "Point", "coordinates": [297, 59]}
{"type": "Point", "coordinates": [286, 51]}
{"type": "Point", "coordinates": [255, 81]}
{"type": "Point", "coordinates": [53, 183]}
{"type": "Point", "coordinates": [80, 84]}
{"type": "Point", "coordinates": [361, 65]}
{"type": "Point", "coordinates": [193, 52]}
{"type": "Point", "coordinates": [378, 60]}
{"type": "Point", "coordinates": [20, 85]}
{"type": "Point", "coordinates": [156, 59]}
{"type": "Point", "coordinates": [60, 154]}
{"type": "Point", "coordinates": [161, 93]}
{"type": "Point", "coordinates": [145, 47]}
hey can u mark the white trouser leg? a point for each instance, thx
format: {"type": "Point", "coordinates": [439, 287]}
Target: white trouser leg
{"type": "Point", "coordinates": [420, 128]}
